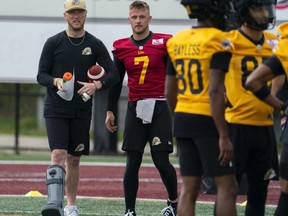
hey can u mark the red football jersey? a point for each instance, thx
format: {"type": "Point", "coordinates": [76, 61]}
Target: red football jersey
{"type": "Point", "coordinates": [145, 66]}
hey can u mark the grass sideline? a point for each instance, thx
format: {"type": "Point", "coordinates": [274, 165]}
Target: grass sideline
{"type": "Point", "coordinates": [31, 206]}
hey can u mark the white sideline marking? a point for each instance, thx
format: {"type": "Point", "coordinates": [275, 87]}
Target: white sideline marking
{"type": "Point", "coordinates": [23, 179]}
{"type": "Point", "coordinates": [81, 163]}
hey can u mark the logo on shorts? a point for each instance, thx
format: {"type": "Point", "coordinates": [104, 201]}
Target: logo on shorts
{"type": "Point", "coordinates": [230, 164]}
{"type": "Point", "coordinates": [156, 141]}
{"type": "Point", "coordinates": [270, 174]}
{"type": "Point", "coordinates": [80, 147]}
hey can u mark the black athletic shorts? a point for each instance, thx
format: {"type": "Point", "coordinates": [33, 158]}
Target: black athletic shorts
{"type": "Point", "coordinates": [199, 156]}
{"type": "Point", "coordinates": [255, 150]}
{"type": "Point", "coordinates": [193, 125]}
{"type": "Point", "coordinates": [71, 134]}
{"type": "Point", "coordinates": [158, 133]}
{"type": "Point", "coordinates": [198, 146]}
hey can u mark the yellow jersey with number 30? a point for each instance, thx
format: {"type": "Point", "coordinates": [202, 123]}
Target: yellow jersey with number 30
{"type": "Point", "coordinates": [190, 52]}
{"type": "Point", "coordinates": [243, 106]}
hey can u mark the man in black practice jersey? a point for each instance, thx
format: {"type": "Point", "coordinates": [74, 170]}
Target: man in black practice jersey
{"type": "Point", "coordinates": [67, 115]}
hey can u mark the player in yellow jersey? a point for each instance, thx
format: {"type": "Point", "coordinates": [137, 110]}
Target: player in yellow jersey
{"type": "Point", "coordinates": [275, 66]}
{"type": "Point", "coordinates": [251, 120]}
{"type": "Point", "coordinates": [193, 52]}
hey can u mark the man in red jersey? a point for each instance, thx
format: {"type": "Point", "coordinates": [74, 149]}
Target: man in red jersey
{"type": "Point", "coordinates": [143, 56]}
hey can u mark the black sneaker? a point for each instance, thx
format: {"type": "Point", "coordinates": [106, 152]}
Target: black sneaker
{"type": "Point", "coordinates": [130, 213]}
{"type": "Point", "coordinates": [169, 211]}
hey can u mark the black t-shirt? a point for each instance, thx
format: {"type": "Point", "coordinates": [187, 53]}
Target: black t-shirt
{"type": "Point", "coordinates": [58, 56]}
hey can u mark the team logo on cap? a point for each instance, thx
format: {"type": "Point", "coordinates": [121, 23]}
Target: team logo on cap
{"type": "Point", "coordinates": [75, 2]}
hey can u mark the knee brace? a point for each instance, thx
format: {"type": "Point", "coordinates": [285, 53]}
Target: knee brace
{"type": "Point", "coordinates": [55, 185]}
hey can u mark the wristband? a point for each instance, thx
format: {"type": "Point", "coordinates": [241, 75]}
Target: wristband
{"type": "Point", "coordinates": [96, 89]}
{"type": "Point", "coordinates": [262, 93]}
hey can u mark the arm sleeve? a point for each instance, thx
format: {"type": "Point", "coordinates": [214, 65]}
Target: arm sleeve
{"type": "Point", "coordinates": [275, 65]}
{"type": "Point", "coordinates": [220, 61]}
{"type": "Point", "coordinates": [115, 92]}
{"type": "Point", "coordinates": [170, 70]}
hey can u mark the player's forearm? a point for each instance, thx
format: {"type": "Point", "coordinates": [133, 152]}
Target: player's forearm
{"type": "Point", "coordinates": [218, 114]}
{"type": "Point", "coordinates": [171, 92]}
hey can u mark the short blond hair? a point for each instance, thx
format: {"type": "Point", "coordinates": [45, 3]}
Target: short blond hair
{"type": "Point", "coordinates": [139, 5]}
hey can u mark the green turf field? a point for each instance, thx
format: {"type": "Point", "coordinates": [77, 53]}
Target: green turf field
{"type": "Point", "coordinates": [31, 206]}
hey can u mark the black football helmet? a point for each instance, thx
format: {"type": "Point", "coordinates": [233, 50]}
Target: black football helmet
{"type": "Point", "coordinates": [221, 12]}
{"type": "Point", "coordinates": [256, 14]}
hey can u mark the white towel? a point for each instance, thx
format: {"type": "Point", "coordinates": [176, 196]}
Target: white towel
{"type": "Point", "coordinates": [68, 89]}
{"type": "Point", "coordinates": [145, 110]}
